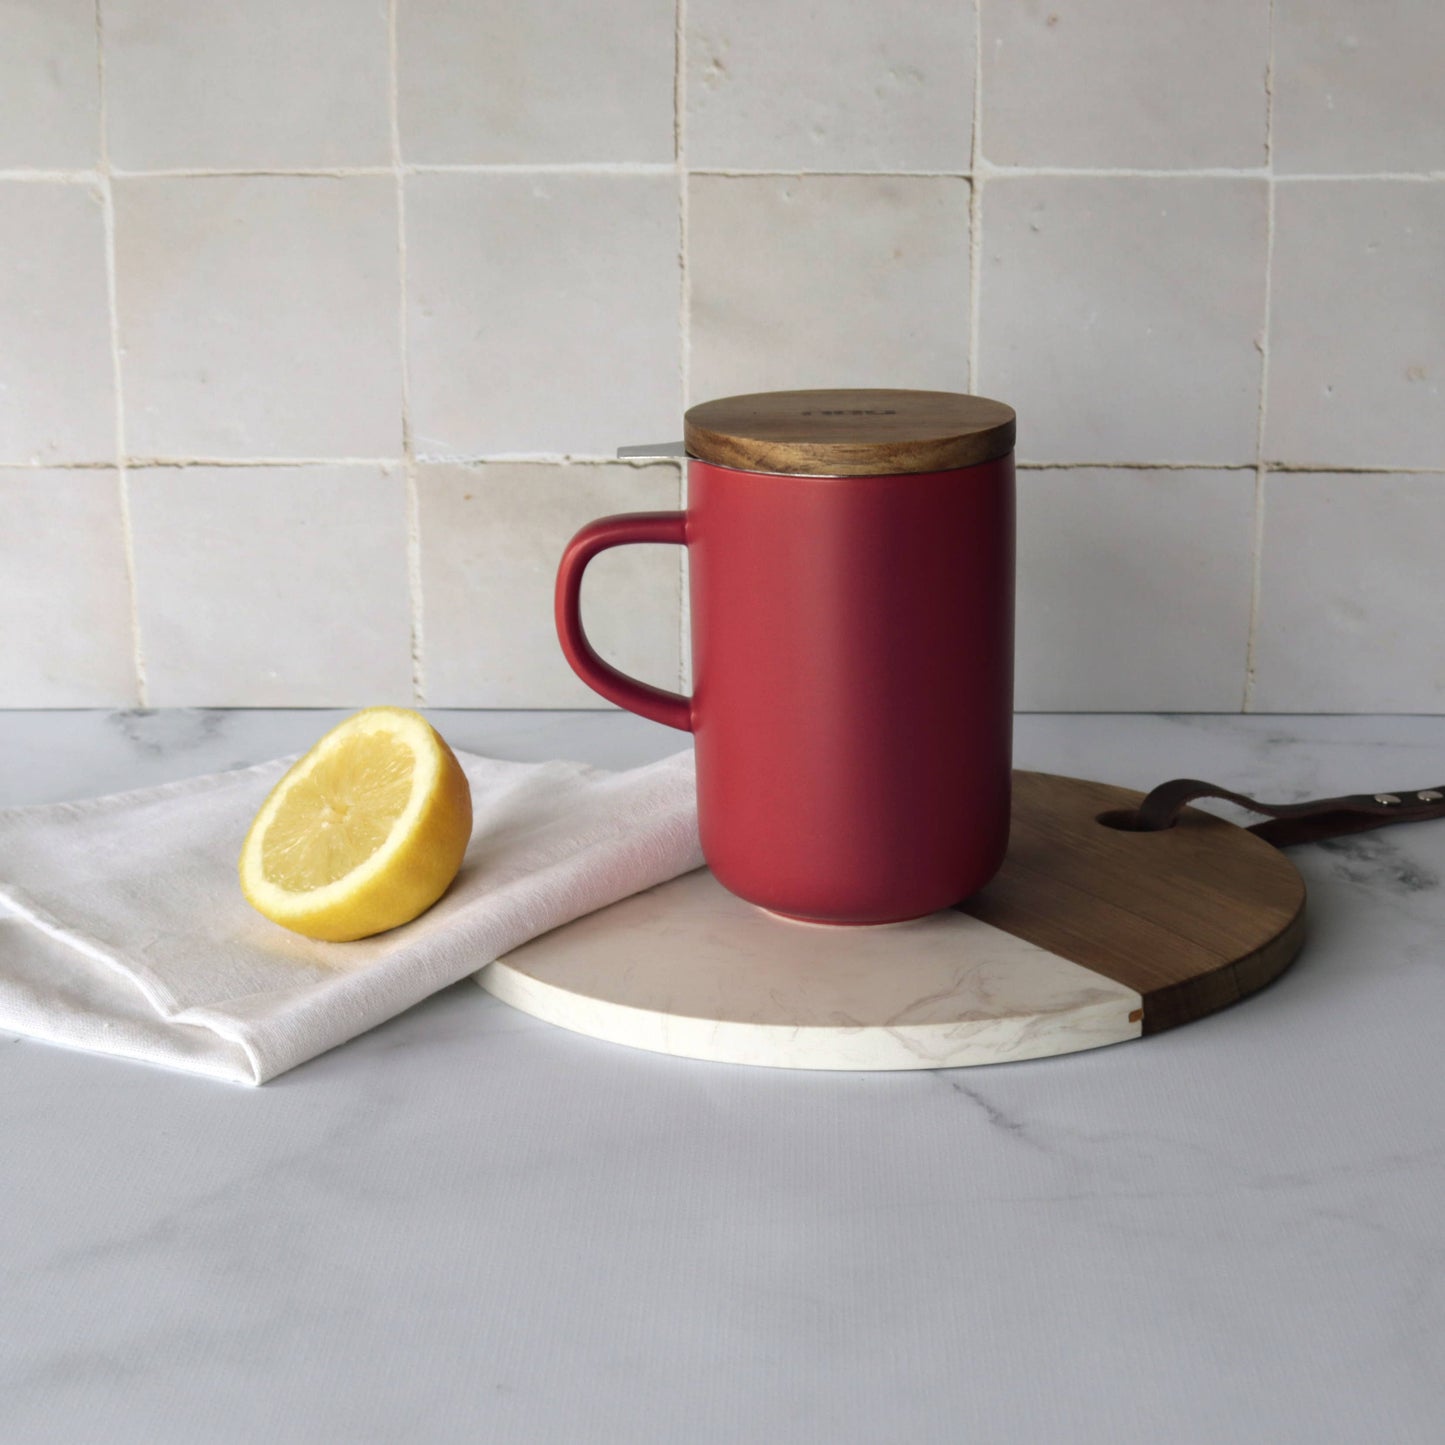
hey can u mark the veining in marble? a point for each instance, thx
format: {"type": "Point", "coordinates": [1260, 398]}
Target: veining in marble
{"type": "Point", "coordinates": [687, 969]}
{"type": "Point", "coordinates": [1377, 860]}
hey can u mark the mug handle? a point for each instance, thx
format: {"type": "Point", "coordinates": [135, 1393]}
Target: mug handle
{"type": "Point", "coordinates": [642, 698]}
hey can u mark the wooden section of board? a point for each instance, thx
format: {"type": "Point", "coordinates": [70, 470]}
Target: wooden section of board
{"type": "Point", "coordinates": [1193, 918]}
{"type": "Point", "coordinates": [850, 433]}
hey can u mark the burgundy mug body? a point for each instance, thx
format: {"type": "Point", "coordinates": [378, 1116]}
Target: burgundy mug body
{"type": "Point", "coordinates": [852, 643]}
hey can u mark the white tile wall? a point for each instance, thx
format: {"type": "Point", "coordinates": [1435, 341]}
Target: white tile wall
{"type": "Point", "coordinates": [264, 84]}
{"type": "Point", "coordinates": [1123, 316]}
{"type": "Point", "coordinates": [827, 281]}
{"type": "Point", "coordinates": [65, 623]}
{"type": "Point", "coordinates": [490, 539]}
{"type": "Point", "coordinates": [1108, 83]}
{"type": "Point", "coordinates": [1349, 606]}
{"type": "Point", "coordinates": [300, 253]}
{"type": "Point", "coordinates": [57, 397]}
{"type": "Point", "coordinates": [536, 83]}
{"type": "Point", "coordinates": [258, 316]}
{"type": "Point", "coordinates": [1357, 85]}
{"type": "Point", "coordinates": [542, 312]}
{"type": "Point", "coordinates": [888, 87]}
{"type": "Point", "coordinates": [1133, 589]}
{"type": "Point", "coordinates": [50, 98]}
{"type": "Point", "coordinates": [1357, 325]}
{"type": "Point", "coordinates": [270, 586]}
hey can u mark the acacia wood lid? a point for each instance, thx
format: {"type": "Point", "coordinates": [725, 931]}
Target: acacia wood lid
{"type": "Point", "coordinates": [849, 433]}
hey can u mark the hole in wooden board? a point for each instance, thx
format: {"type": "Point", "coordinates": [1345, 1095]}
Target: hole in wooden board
{"type": "Point", "coordinates": [1124, 820]}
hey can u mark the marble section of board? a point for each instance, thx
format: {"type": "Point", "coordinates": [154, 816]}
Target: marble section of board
{"type": "Point", "coordinates": [686, 968]}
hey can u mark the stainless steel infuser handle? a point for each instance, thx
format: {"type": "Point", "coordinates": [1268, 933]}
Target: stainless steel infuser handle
{"type": "Point", "coordinates": [653, 449]}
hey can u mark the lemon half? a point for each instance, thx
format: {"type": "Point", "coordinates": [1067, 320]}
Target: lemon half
{"type": "Point", "coordinates": [362, 834]}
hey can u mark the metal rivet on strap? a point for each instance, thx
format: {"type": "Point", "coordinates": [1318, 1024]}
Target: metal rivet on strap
{"type": "Point", "coordinates": [1386, 798]}
{"type": "Point", "coordinates": [1430, 795]}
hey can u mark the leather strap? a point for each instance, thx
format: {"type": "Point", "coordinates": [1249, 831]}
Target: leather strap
{"type": "Point", "coordinates": [1291, 823]}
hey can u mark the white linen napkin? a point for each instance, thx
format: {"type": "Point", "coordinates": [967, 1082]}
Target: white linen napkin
{"type": "Point", "coordinates": [123, 928]}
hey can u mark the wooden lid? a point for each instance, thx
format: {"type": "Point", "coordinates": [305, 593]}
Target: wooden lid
{"type": "Point", "coordinates": [849, 433]}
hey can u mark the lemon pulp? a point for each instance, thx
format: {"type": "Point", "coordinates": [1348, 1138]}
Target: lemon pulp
{"type": "Point", "coordinates": [363, 833]}
{"type": "Point", "coordinates": [339, 814]}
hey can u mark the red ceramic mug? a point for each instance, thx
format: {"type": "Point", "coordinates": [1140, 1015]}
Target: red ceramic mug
{"type": "Point", "coordinates": [852, 639]}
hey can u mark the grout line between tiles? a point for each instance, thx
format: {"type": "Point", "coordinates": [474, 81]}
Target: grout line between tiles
{"type": "Point", "coordinates": [1199, 173]}
{"type": "Point", "coordinates": [40, 464]}
{"type": "Point", "coordinates": [1328, 469]}
{"type": "Point", "coordinates": [684, 317]}
{"type": "Point", "coordinates": [122, 481]}
{"type": "Point", "coordinates": [1256, 579]}
{"type": "Point", "coordinates": [143, 463]}
{"type": "Point", "coordinates": [1027, 466]}
{"type": "Point", "coordinates": [597, 459]}
{"type": "Point", "coordinates": [1268, 467]}
{"type": "Point", "coordinates": [415, 602]}
{"type": "Point", "coordinates": [662, 168]}
{"type": "Point", "coordinates": [202, 173]}
{"type": "Point", "coordinates": [1256, 560]}
{"type": "Point", "coordinates": [585, 168]}
{"type": "Point", "coordinates": [738, 173]}
{"type": "Point", "coordinates": [565, 459]}
{"type": "Point", "coordinates": [975, 202]}
{"type": "Point", "coordinates": [679, 141]}
{"type": "Point", "coordinates": [68, 178]}
{"type": "Point", "coordinates": [1306, 177]}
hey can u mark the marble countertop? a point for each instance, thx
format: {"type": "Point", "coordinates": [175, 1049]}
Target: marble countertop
{"type": "Point", "coordinates": [470, 1226]}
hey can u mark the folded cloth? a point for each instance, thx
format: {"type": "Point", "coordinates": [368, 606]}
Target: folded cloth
{"type": "Point", "coordinates": [123, 928]}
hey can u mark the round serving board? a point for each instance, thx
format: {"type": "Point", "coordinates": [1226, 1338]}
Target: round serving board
{"type": "Point", "coordinates": [1089, 935]}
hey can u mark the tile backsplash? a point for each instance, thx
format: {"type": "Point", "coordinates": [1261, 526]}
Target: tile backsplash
{"type": "Point", "coordinates": [319, 324]}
